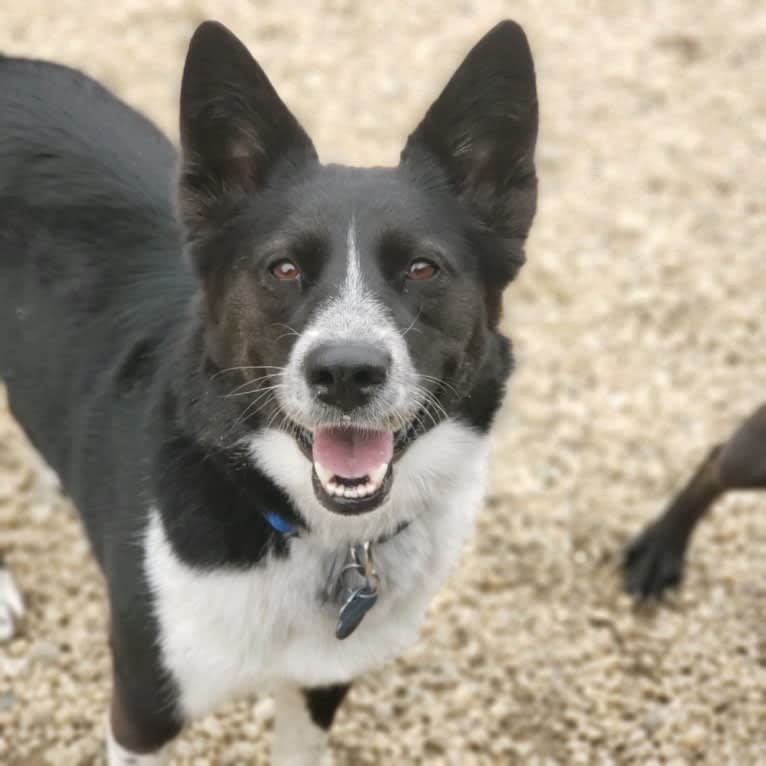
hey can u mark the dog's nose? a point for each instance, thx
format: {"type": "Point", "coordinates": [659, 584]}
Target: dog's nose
{"type": "Point", "coordinates": [346, 375]}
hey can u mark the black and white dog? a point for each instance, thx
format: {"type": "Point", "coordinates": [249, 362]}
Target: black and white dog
{"type": "Point", "coordinates": [269, 400]}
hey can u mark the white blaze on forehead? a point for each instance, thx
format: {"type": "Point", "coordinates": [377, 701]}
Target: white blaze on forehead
{"type": "Point", "coordinates": [353, 315]}
{"type": "Point", "coordinates": [353, 286]}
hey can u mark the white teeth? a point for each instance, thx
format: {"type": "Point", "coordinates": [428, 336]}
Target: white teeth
{"type": "Point", "coordinates": [376, 477]}
{"type": "Point", "coordinates": [324, 475]}
{"type": "Point", "coordinates": [332, 487]}
{"type": "Point", "coordinates": [340, 490]}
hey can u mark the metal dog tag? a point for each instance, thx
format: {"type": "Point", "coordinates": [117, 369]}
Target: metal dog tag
{"type": "Point", "coordinates": [361, 582]}
{"type": "Point", "coordinates": [353, 611]}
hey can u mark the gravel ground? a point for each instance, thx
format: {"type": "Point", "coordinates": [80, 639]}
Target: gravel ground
{"type": "Point", "coordinates": [640, 332]}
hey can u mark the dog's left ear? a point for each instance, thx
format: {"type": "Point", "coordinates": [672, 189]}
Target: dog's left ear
{"type": "Point", "coordinates": [481, 133]}
{"type": "Point", "coordinates": [234, 127]}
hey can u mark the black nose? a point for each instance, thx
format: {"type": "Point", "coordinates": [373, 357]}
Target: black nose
{"type": "Point", "coordinates": [346, 375]}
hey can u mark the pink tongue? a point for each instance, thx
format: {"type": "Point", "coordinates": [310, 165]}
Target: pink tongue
{"type": "Point", "coordinates": [350, 452]}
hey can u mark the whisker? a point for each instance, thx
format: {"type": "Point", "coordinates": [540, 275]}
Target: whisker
{"type": "Point", "coordinates": [264, 398]}
{"type": "Point", "coordinates": [431, 405]}
{"type": "Point", "coordinates": [252, 391]}
{"type": "Point", "coordinates": [412, 325]}
{"type": "Point", "coordinates": [430, 414]}
{"type": "Point", "coordinates": [292, 330]}
{"type": "Point", "coordinates": [253, 382]}
{"type": "Point", "coordinates": [274, 415]}
{"type": "Point", "coordinates": [250, 367]}
{"type": "Point", "coordinates": [436, 404]}
{"type": "Point", "coordinates": [439, 381]}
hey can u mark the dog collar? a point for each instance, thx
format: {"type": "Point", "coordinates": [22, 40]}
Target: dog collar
{"type": "Point", "coordinates": [357, 586]}
{"type": "Point", "coordinates": [281, 524]}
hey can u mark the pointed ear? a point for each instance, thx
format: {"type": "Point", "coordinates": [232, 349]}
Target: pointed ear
{"type": "Point", "coordinates": [481, 133]}
{"type": "Point", "coordinates": [234, 127]}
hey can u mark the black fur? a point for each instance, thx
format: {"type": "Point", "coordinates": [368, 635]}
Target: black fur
{"type": "Point", "coordinates": [323, 703]}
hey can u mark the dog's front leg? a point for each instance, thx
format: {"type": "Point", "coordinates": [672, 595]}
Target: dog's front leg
{"type": "Point", "coordinates": [302, 721]}
{"type": "Point", "coordinates": [117, 755]}
{"type": "Point", "coordinates": [137, 735]}
{"type": "Point", "coordinates": [144, 717]}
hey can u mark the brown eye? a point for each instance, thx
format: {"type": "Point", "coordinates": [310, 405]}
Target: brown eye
{"type": "Point", "coordinates": [422, 269]}
{"type": "Point", "coordinates": [285, 270]}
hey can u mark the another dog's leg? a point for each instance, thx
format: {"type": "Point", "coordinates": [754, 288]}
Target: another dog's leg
{"type": "Point", "coordinates": [743, 458]}
{"type": "Point", "coordinates": [654, 561]}
{"type": "Point", "coordinates": [11, 603]}
{"type": "Point", "coordinates": [302, 721]}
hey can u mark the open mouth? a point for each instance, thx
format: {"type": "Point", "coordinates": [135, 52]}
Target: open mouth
{"type": "Point", "coordinates": [352, 467]}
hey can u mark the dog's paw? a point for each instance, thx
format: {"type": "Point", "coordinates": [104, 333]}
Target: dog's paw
{"type": "Point", "coordinates": [11, 605]}
{"type": "Point", "coordinates": [653, 562]}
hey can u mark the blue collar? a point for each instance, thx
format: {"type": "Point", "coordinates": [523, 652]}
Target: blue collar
{"type": "Point", "coordinates": [288, 529]}
{"type": "Point", "coordinates": [280, 523]}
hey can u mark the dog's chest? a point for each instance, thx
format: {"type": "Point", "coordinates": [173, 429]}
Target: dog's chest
{"type": "Point", "coordinates": [230, 632]}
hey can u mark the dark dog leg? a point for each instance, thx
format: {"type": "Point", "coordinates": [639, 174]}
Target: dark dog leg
{"type": "Point", "coordinates": [143, 715]}
{"type": "Point", "coordinates": [302, 722]}
{"type": "Point", "coordinates": [135, 737]}
{"type": "Point", "coordinates": [654, 561]}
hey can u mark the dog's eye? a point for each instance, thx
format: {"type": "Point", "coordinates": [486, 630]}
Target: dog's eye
{"type": "Point", "coordinates": [422, 269]}
{"type": "Point", "coordinates": [285, 270]}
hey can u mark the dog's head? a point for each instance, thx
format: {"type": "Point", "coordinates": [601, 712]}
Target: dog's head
{"type": "Point", "coordinates": [356, 308]}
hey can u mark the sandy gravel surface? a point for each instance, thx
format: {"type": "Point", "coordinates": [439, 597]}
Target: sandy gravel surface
{"type": "Point", "coordinates": [640, 328]}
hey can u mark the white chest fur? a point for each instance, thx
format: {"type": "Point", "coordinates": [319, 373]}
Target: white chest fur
{"type": "Point", "coordinates": [230, 632]}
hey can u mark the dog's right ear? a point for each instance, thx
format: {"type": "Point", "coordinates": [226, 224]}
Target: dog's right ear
{"type": "Point", "coordinates": [234, 127]}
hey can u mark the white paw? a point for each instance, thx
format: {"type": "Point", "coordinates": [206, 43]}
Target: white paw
{"type": "Point", "coordinates": [116, 755]}
{"type": "Point", "coordinates": [11, 605]}
{"type": "Point", "coordinates": [297, 741]}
